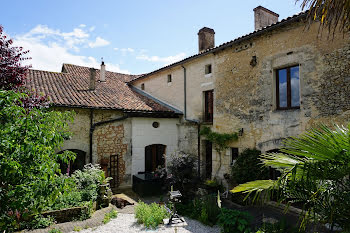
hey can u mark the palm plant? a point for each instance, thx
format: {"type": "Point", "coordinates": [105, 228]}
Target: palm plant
{"type": "Point", "coordinates": [315, 169]}
{"type": "Point", "coordinates": [331, 13]}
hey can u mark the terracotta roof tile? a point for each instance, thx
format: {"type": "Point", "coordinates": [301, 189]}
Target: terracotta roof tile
{"type": "Point", "coordinates": [71, 88]}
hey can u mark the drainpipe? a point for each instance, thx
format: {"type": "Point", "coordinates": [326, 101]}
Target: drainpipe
{"type": "Point", "coordinates": [198, 143]}
{"type": "Point", "coordinates": [193, 121]}
{"type": "Point", "coordinates": [93, 126]}
{"type": "Point", "coordinates": [185, 93]}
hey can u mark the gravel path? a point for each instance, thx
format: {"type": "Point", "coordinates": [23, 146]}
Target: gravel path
{"type": "Point", "coordinates": [127, 223]}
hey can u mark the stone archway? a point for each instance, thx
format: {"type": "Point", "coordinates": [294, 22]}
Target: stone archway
{"type": "Point", "coordinates": [77, 164]}
{"type": "Point", "coordinates": [154, 157]}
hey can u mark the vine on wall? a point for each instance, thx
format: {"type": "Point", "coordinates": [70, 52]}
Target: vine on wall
{"type": "Point", "coordinates": [220, 141]}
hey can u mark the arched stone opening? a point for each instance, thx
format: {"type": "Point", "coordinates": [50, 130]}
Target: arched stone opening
{"type": "Point", "coordinates": [77, 164]}
{"type": "Point", "coordinates": [154, 157]}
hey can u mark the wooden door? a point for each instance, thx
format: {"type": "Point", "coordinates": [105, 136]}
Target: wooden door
{"type": "Point", "coordinates": [154, 157]}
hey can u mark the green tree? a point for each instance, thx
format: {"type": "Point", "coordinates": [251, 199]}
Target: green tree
{"type": "Point", "coordinates": [315, 169]}
{"type": "Point", "coordinates": [248, 167]}
{"type": "Point", "coordinates": [28, 159]}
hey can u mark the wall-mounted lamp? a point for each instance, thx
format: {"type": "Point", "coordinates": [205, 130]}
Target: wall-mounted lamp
{"type": "Point", "coordinates": [240, 132]}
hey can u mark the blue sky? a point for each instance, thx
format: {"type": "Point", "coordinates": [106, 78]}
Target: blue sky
{"type": "Point", "coordinates": [134, 36]}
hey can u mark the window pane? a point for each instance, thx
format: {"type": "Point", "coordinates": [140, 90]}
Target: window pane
{"type": "Point", "coordinates": [282, 76]}
{"type": "Point", "coordinates": [294, 84]}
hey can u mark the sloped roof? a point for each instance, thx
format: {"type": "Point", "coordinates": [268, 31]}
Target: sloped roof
{"type": "Point", "coordinates": [70, 88]}
{"type": "Point", "coordinates": [271, 27]}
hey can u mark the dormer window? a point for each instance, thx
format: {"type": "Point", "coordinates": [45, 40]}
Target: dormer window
{"type": "Point", "coordinates": [208, 69]}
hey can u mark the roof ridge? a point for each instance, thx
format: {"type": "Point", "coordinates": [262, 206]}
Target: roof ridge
{"type": "Point", "coordinates": [100, 69]}
{"type": "Point", "coordinates": [238, 39]}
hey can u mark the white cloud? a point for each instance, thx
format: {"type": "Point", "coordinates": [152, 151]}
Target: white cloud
{"type": "Point", "coordinates": [50, 48]}
{"type": "Point", "coordinates": [82, 25]}
{"type": "Point", "coordinates": [92, 28]}
{"type": "Point", "coordinates": [166, 60]}
{"type": "Point", "coordinates": [99, 42]}
{"type": "Point", "coordinates": [124, 51]}
{"type": "Point", "coordinates": [130, 50]}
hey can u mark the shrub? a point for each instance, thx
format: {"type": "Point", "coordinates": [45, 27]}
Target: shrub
{"type": "Point", "coordinates": [88, 181]}
{"type": "Point", "coordinates": [204, 209]}
{"type": "Point", "coordinates": [108, 216]}
{"type": "Point", "coordinates": [79, 190]}
{"type": "Point", "coordinates": [54, 230]}
{"type": "Point", "coordinates": [150, 215]}
{"type": "Point", "coordinates": [248, 167]}
{"type": "Point", "coordinates": [233, 221]}
{"type": "Point", "coordinates": [39, 221]}
{"type": "Point", "coordinates": [278, 227]}
{"type": "Point", "coordinates": [182, 176]}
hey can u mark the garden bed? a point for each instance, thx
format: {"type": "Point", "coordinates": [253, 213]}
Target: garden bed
{"type": "Point", "coordinates": [68, 214]}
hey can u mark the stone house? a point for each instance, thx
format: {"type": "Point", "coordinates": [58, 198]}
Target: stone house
{"type": "Point", "coordinates": [273, 83]}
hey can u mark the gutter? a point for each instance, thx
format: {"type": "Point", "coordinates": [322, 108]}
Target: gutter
{"type": "Point", "coordinates": [94, 125]}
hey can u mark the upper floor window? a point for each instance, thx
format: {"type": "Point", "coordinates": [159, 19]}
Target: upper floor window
{"type": "Point", "coordinates": [208, 106]}
{"type": "Point", "coordinates": [169, 78]}
{"type": "Point", "coordinates": [288, 88]}
{"type": "Point", "coordinates": [208, 69]}
{"type": "Point", "coordinates": [142, 86]}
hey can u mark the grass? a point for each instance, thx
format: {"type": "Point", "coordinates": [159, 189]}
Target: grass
{"type": "Point", "coordinates": [108, 216]}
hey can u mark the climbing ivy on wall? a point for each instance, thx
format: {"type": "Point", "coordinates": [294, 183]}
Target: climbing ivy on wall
{"type": "Point", "coordinates": [219, 140]}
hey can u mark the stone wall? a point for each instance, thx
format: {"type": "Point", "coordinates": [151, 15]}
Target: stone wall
{"type": "Point", "coordinates": [110, 141]}
{"type": "Point", "coordinates": [246, 94]}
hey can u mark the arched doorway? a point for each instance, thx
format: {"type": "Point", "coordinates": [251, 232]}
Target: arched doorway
{"type": "Point", "coordinates": [77, 164]}
{"type": "Point", "coordinates": [154, 157]}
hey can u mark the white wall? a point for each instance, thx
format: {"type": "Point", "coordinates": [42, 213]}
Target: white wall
{"type": "Point", "coordinates": [144, 134]}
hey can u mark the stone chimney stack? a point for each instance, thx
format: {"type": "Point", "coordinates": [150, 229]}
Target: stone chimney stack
{"type": "Point", "coordinates": [264, 17]}
{"type": "Point", "coordinates": [103, 72]}
{"type": "Point", "coordinates": [206, 39]}
{"type": "Point", "coordinates": [92, 84]}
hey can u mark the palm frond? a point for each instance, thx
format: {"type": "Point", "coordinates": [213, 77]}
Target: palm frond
{"type": "Point", "coordinates": [330, 13]}
{"type": "Point", "coordinates": [252, 186]}
{"type": "Point", "coordinates": [280, 161]}
{"type": "Point", "coordinates": [320, 144]}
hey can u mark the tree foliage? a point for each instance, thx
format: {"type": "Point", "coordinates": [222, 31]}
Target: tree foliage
{"type": "Point", "coordinates": [28, 160]}
{"type": "Point", "coordinates": [315, 169]}
{"type": "Point", "coordinates": [248, 167]}
{"type": "Point", "coordinates": [331, 13]}
{"type": "Point", "coordinates": [12, 73]}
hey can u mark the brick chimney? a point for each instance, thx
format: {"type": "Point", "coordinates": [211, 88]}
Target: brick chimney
{"type": "Point", "coordinates": [103, 72]}
{"type": "Point", "coordinates": [92, 84]}
{"type": "Point", "coordinates": [264, 17]}
{"type": "Point", "coordinates": [206, 39]}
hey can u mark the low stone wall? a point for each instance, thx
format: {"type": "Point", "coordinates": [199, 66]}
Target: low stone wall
{"type": "Point", "coordinates": [66, 215]}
